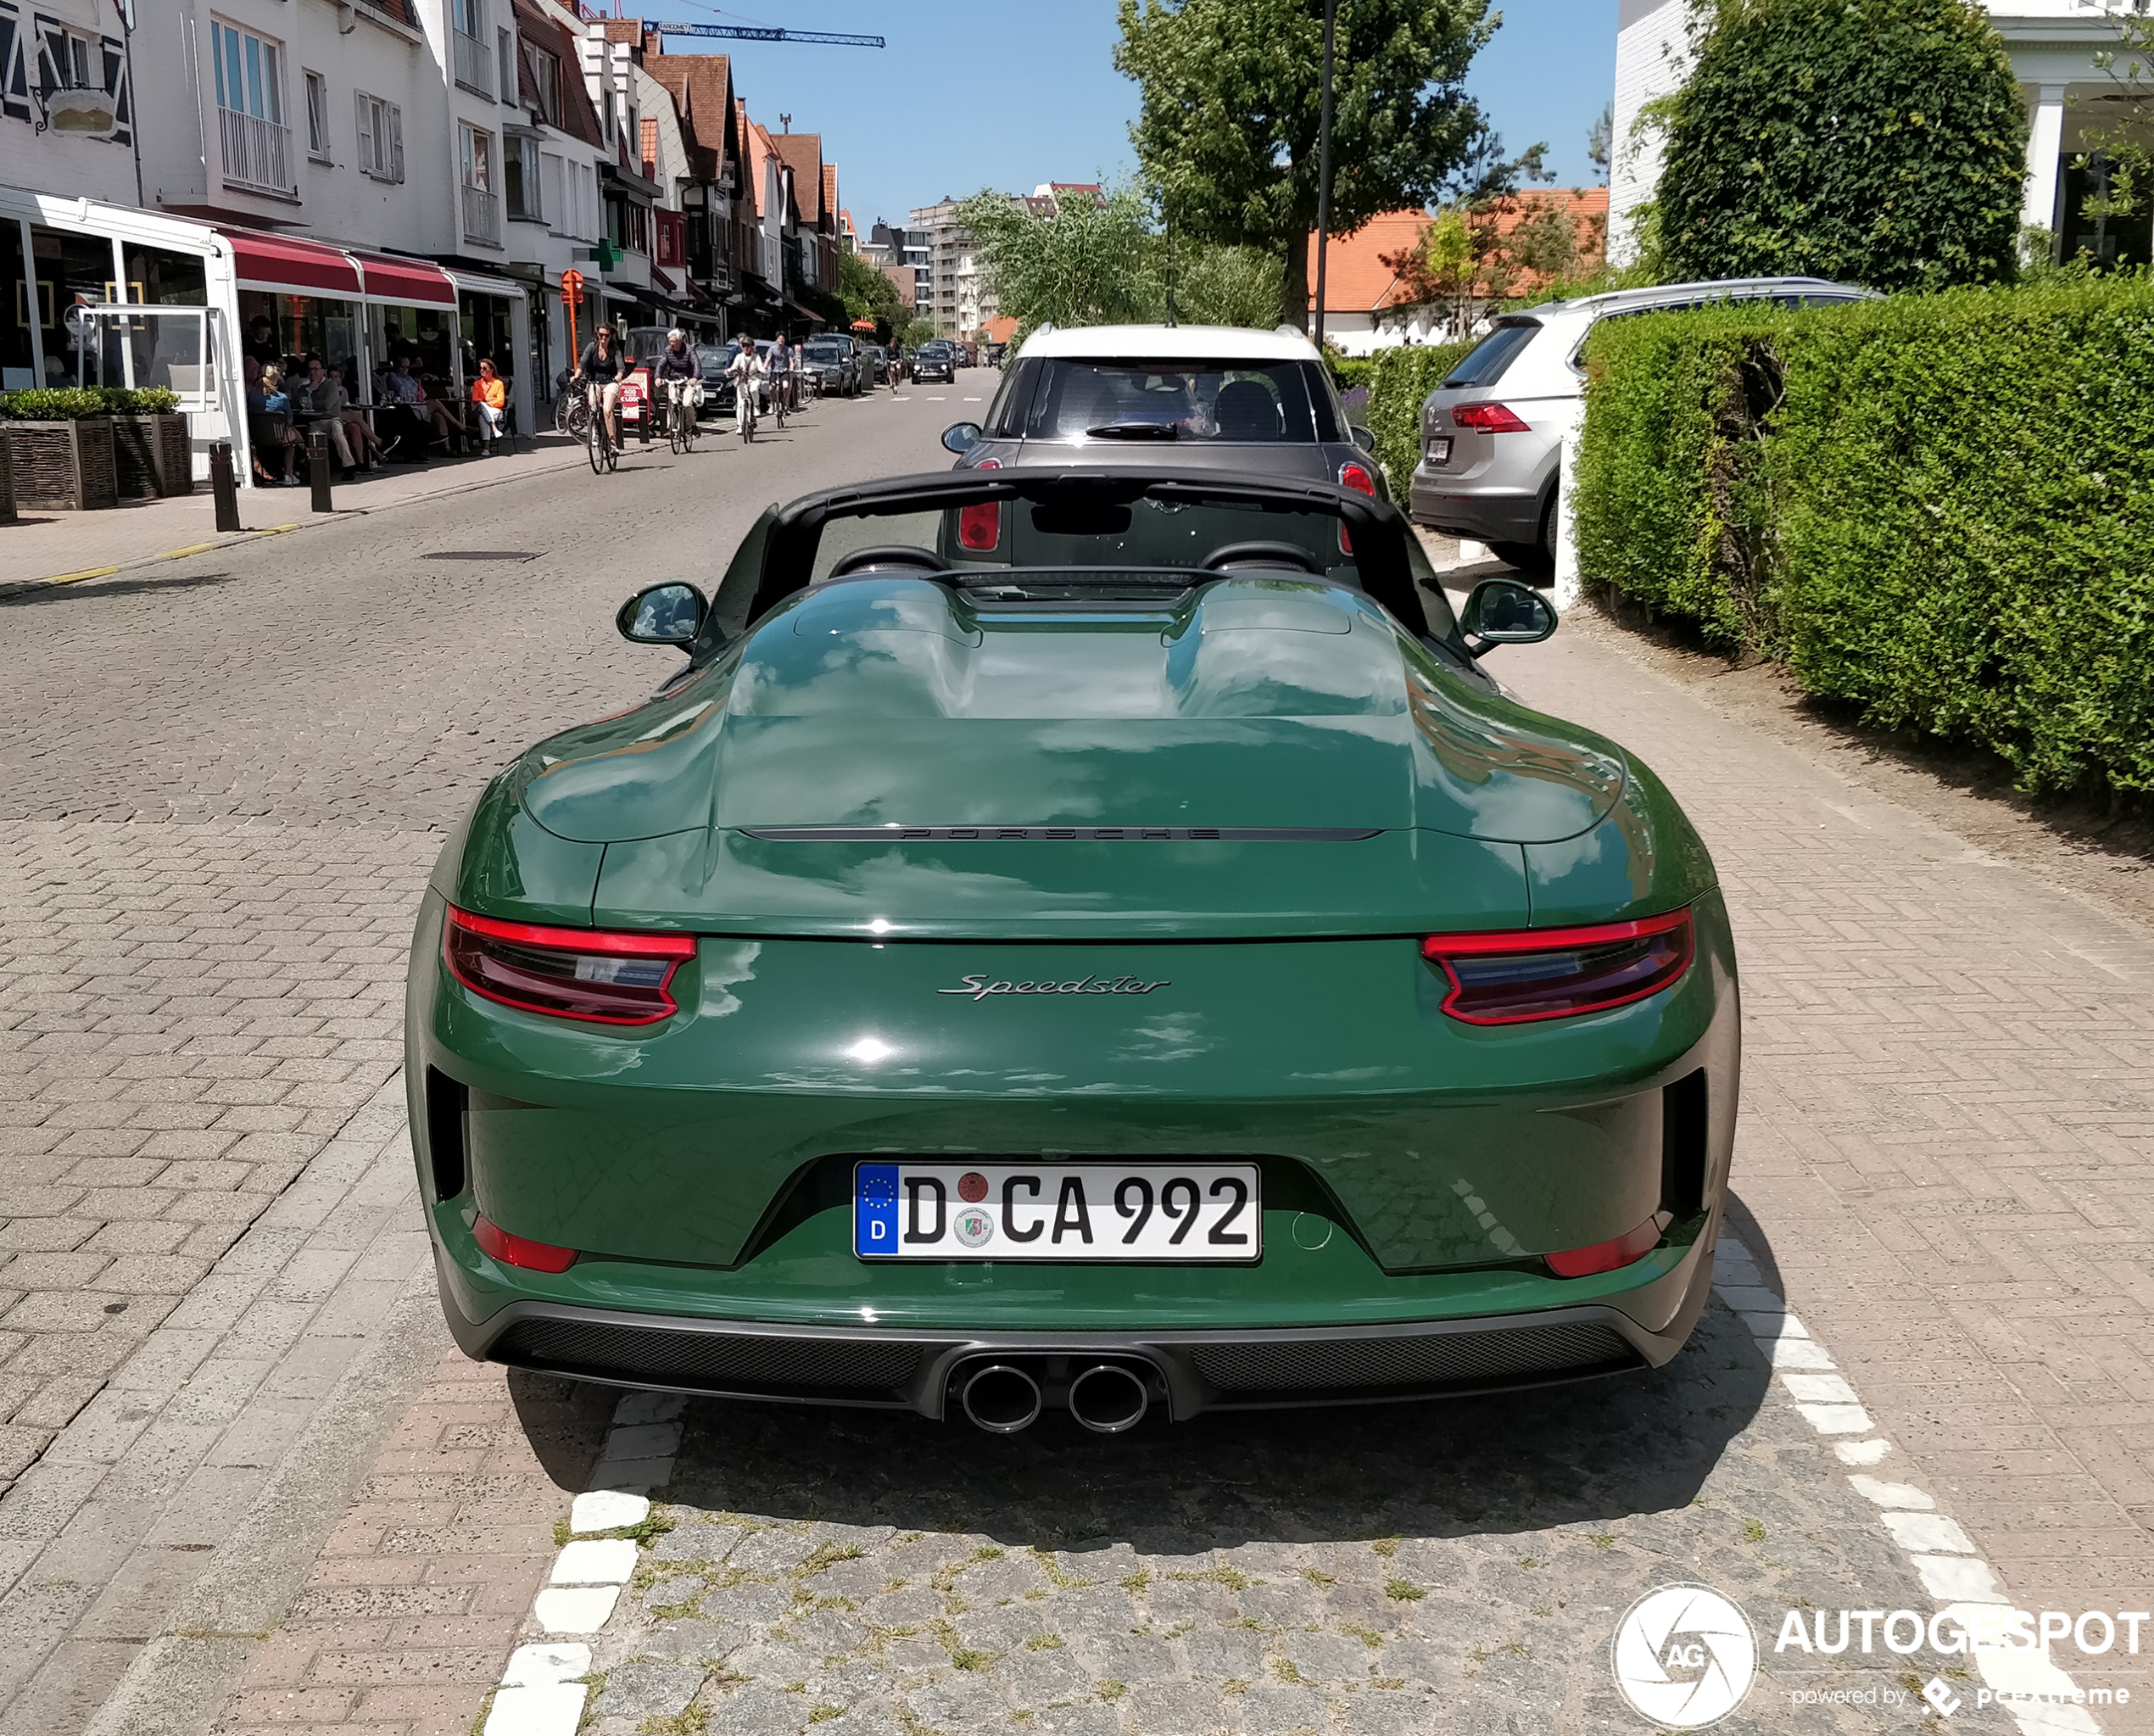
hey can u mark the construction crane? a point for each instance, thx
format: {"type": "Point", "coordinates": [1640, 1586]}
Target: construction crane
{"type": "Point", "coordinates": [763, 33]}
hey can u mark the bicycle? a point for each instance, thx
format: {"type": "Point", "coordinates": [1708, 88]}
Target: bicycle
{"type": "Point", "coordinates": [681, 429]}
{"type": "Point", "coordinates": [744, 410]}
{"type": "Point", "coordinates": [571, 408]}
{"type": "Point", "coordinates": [598, 442]}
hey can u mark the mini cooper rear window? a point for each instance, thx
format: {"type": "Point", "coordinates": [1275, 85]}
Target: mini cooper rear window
{"type": "Point", "coordinates": [1240, 403]}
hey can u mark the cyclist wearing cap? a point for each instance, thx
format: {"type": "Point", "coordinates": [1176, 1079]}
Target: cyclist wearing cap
{"type": "Point", "coordinates": [678, 372]}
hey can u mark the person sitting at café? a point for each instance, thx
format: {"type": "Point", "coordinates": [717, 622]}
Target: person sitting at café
{"type": "Point", "coordinates": [323, 403]}
{"type": "Point", "coordinates": [490, 402]}
{"type": "Point", "coordinates": [405, 388]}
{"type": "Point", "coordinates": [270, 431]}
{"type": "Point", "coordinates": [261, 339]}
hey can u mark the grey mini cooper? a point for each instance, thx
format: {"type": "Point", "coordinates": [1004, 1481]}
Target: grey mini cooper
{"type": "Point", "coordinates": [1213, 396]}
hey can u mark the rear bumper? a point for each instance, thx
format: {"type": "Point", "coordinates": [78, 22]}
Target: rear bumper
{"type": "Point", "coordinates": [1193, 1371]}
{"type": "Point", "coordinates": [1487, 515]}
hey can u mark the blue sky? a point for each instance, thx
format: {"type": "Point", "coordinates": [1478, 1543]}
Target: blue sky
{"type": "Point", "coordinates": [1008, 94]}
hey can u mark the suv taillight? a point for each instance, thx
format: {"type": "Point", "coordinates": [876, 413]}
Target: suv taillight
{"type": "Point", "coordinates": [583, 974]}
{"type": "Point", "coordinates": [981, 527]}
{"type": "Point", "coordinates": [1489, 418]}
{"type": "Point", "coordinates": [1526, 975]}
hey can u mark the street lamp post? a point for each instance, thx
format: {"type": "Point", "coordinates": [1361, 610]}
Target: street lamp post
{"type": "Point", "coordinates": [1324, 169]}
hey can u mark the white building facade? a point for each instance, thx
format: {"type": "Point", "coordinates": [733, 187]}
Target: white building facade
{"type": "Point", "coordinates": [2053, 44]}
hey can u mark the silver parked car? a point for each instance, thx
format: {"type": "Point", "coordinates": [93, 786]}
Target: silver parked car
{"type": "Point", "coordinates": [1493, 433]}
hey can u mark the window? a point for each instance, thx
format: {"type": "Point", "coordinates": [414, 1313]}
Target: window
{"type": "Point", "coordinates": [250, 78]}
{"type": "Point", "coordinates": [14, 82]}
{"type": "Point", "coordinates": [317, 116]}
{"type": "Point", "coordinates": [470, 17]}
{"type": "Point", "coordinates": [504, 47]}
{"type": "Point", "coordinates": [475, 155]}
{"type": "Point", "coordinates": [521, 183]}
{"type": "Point", "coordinates": [70, 59]}
{"type": "Point", "coordinates": [628, 226]}
{"type": "Point", "coordinates": [554, 190]}
{"type": "Point", "coordinates": [380, 138]}
{"type": "Point", "coordinates": [545, 77]}
{"type": "Point", "coordinates": [471, 46]}
{"type": "Point", "coordinates": [585, 217]}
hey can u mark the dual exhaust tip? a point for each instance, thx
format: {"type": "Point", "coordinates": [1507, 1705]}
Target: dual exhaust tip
{"type": "Point", "coordinates": [1108, 1398]}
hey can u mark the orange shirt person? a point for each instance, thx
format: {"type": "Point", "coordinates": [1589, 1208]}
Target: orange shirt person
{"type": "Point", "coordinates": [490, 399]}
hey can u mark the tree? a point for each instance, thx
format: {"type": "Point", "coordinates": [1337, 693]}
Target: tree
{"type": "Point", "coordinates": [1600, 141]}
{"type": "Point", "coordinates": [868, 295]}
{"type": "Point", "coordinates": [1086, 264]}
{"type": "Point", "coordinates": [1879, 142]}
{"type": "Point", "coordinates": [1231, 94]}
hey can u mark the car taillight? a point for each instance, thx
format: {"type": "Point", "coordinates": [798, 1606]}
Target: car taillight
{"type": "Point", "coordinates": [608, 978]}
{"type": "Point", "coordinates": [1357, 478]}
{"type": "Point", "coordinates": [520, 1251]}
{"type": "Point", "coordinates": [1518, 977]}
{"type": "Point", "coordinates": [981, 527]}
{"type": "Point", "coordinates": [1489, 418]}
{"type": "Point", "coordinates": [1606, 1256]}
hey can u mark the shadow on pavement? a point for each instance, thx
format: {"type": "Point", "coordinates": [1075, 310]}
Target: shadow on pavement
{"type": "Point", "coordinates": [110, 587]}
{"type": "Point", "coordinates": [565, 1421]}
{"type": "Point", "coordinates": [1517, 1463]}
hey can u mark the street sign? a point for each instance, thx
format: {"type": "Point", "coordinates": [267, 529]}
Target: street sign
{"type": "Point", "coordinates": [571, 285]}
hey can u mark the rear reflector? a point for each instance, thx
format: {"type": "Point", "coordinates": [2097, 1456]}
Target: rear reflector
{"type": "Point", "coordinates": [1606, 1256]}
{"type": "Point", "coordinates": [1489, 418]}
{"type": "Point", "coordinates": [1534, 974]}
{"type": "Point", "coordinates": [586, 973]}
{"type": "Point", "coordinates": [981, 527]}
{"type": "Point", "coordinates": [516, 1251]}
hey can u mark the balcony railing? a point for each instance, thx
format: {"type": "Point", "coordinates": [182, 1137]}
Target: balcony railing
{"type": "Point", "coordinates": [482, 216]}
{"type": "Point", "coordinates": [474, 63]}
{"type": "Point", "coordinates": [258, 152]}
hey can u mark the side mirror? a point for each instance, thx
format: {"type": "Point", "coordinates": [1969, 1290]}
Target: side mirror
{"type": "Point", "coordinates": [666, 615]}
{"type": "Point", "coordinates": [1502, 611]}
{"type": "Point", "coordinates": [1363, 438]}
{"type": "Point", "coordinates": [961, 438]}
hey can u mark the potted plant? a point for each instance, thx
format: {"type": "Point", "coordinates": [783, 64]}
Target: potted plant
{"type": "Point", "coordinates": [59, 448]}
{"type": "Point", "coordinates": [149, 438]}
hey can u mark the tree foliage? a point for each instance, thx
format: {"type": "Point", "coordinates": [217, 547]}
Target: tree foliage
{"type": "Point", "coordinates": [868, 295]}
{"type": "Point", "coordinates": [1231, 97]}
{"type": "Point", "coordinates": [1087, 264]}
{"type": "Point", "coordinates": [1878, 141]}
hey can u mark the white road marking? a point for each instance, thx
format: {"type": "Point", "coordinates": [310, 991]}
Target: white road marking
{"type": "Point", "coordinates": [1942, 1554]}
{"type": "Point", "coordinates": [938, 398]}
{"type": "Point", "coordinates": [540, 1693]}
{"type": "Point", "coordinates": [972, 400]}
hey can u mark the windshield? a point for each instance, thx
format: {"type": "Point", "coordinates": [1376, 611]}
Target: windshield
{"type": "Point", "coordinates": [1238, 403]}
{"type": "Point", "coordinates": [821, 352]}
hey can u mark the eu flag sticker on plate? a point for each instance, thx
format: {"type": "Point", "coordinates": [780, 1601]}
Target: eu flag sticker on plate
{"type": "Point", "coordinates": [874, 1209]}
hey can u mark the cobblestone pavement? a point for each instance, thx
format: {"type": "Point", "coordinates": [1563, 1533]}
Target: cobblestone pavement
{"type": "Point", "coordinates": [221, 784]}
{"type": "Point", "coordinates": [1460, 1568]}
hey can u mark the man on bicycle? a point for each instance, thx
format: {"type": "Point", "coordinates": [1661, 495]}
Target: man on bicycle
{"type": "Point", "coordinates": [745, 370]}
{"type": "Point", "coordinates": [781, 365]}
{"type": "Point", "coordinates": [678, 372]}
{"type": "Point", "coordinates": [602, 372]}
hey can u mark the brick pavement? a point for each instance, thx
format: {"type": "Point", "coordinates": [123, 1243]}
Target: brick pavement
{"type": "Point", "coordinates": [401, 1627]}
{"type": "Point", "coordinates": [40, 547]}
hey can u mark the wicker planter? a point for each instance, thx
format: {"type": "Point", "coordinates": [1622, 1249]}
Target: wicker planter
{"type": "Point", "coordinates": [63, 466]}
{"type": "Point", "coordinates": [152, 455]}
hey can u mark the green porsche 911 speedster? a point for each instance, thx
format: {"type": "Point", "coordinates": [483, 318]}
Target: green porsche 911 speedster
{"type": "Point", "coordinates": [1088, 939]}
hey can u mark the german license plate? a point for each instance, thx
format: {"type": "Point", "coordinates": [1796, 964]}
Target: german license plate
{"type": "Point", "coordinates": [1440, 450]}
{"type": "Point", "coordinates": [1160, 1212]}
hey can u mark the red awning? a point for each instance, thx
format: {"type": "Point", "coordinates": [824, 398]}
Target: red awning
{"type": "Point", "coordinates": [408, 283]}
{"type": "Point", "coordinates": [288, 264]}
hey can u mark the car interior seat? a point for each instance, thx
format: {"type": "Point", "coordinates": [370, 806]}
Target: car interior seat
{"type": "Point", "coordinates": [1247, 411]}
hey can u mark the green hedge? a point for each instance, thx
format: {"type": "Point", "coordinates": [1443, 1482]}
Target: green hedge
{"type": "Point", "coordinates": [1349, 371]}
{"type": "Point", "coordinates": [1939, 507]}
{"type": "Point", "coordinates": [67, 403]}
{"type": "Point", "coordinates": [1400, 379]}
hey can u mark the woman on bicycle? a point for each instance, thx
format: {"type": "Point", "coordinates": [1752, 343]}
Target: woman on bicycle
{"type": "Point", "coordinates": [602, 371]}
{"type": "Point", "coordinates": [746, 369]}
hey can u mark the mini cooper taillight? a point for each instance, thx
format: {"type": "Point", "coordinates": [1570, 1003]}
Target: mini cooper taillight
{"type": "Point", "coordinates": [1606, 1256]}
{"type": "Point", "coordinates": [1489, 418]}
{"type": "Point", "coordinates": [585, 973]}
{"type": "Point", "coordinates": [520, 1250]}
{"type": "Point", "coordinates": [1355, 477]}
{"type": "Point", "coordinates": [1518, 977]}
{"type": "Point", "coordinates": [981, 527]}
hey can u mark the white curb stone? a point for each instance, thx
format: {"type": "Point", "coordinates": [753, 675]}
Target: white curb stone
{"type": "Point", "coordinates": [582, 1609]}
{"type": "Point", "coordinates": [542, 1665]}
{"type": "Point", "coordinates": [1958, 1579]}
{"type": "Point", "coordinates": [1861, 1452]}
{"type": "Point", "coordinates": [609, 1562]}
{"type": "Point", "coordinates": [607, 1510]}
{"type": "Point", "coordinates": [1930, 1532]}
{"type": "Point", "coordinates": [1837, 1419]}
{"type": "Point", "coordinates": [1890, 1495]}
{"type": "Point", "coordinates": [554, 1710]}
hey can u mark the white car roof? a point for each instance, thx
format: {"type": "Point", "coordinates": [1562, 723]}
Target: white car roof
{"type": "Point", "coordinates": [1171, 344]}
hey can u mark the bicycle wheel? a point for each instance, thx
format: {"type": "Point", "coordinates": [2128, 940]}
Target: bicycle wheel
{"type": "Point", "coordinates": [674, 429]}
{"type": "Point", "coordinates": [612, 455]}
{"type": "Point", "coordinates": [594, 442]}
